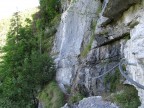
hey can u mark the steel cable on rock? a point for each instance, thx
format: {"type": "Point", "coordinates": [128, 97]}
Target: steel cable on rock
{"type": "Point", "coordinates": [123, 62]}
{"type": "Point", "coordinates": [107, 71]}
{"type": "Point", "coordinates": [120, 64]}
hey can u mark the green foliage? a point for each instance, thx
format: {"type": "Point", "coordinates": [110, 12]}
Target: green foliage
{"type": "Point", "coordinates": [51, 96]}
{"type": "Point", "coordinates": [99, 9]}
{"type": "Point", "coordinates": [76, 97]}
{"type": "Point", "coordinates": [88, 47]}
{"type": "Point", "coordinates": [45, 23]}
{"type": "Point", "coordinates": [49, 9]}
{"type": "Point", "coordinates": [128, 98]}
{"type": "Point", "coordinates": [55, 21]}
{"type": "Point", "coordinates": [74, 1]}
{"type": "Point", "coordinates": [113, 80]}
{"type": "Point", "coordinates": [127, 36]}
{"type": "Point", "coordinates": [5, 23]}
{"type": "Point", "coordinates": [24, 68]}
{"type": "Point", "coordinates": [27, 14]}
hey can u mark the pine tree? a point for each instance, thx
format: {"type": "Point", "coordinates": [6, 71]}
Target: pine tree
{"type": "Point", "coordinates": [24, 68]}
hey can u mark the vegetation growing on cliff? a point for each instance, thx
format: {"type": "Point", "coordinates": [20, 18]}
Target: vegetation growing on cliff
{"type": "Point", "coordinates": [88, 46]}
{"type": "Point", "coordinates": [26, 65]}
{"type": "Point", "coordinates": [126, 96]}
{"type": "Point", "coordinates": [51, 96]}
{"type": "Point", "coordinates": [24, 69]}
{"type": "Point", "coordinates": [76, 97]}
{"type": "Point", "coordinates": [112, 80]}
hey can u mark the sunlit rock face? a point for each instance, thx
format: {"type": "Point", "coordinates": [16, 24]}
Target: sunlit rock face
{"type": "Point", "coordinates": [134, 53]}
{"type": "Point", "coordinates": [75, 24]}
{"type": "Point", "coordinates": [134, 48]}
{"type": "Point", "coordinates": [118, 33]}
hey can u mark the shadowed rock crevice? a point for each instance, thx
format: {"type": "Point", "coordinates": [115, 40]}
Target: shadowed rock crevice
{"type": "Point", "coordinates": [115, 8]}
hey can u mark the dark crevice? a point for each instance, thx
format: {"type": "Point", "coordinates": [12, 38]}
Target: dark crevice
{"type": "Point", "coordinates": [115, 58]}
{"type": "Point", "coordinates": [113, 40]}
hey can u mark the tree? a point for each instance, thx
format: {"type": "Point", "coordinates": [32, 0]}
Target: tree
{"type": "Point", "coordinates": [24, 69]}
{"type": "Point", "coordinates": [49, 9]}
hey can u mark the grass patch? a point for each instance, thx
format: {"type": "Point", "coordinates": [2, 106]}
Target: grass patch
{"type": "Point", "coordinates": [51, 96]}
{"type": "Point", "coordinates": [112, 80]}
{"type": "Point", "coordinates": [99, 9]}
{"type": "Point", "coordinates": [88, 47]}
{"type": "Point", "coordinates": [127, 37]}
{"type": "Point", "coordinates": [75, 98]}
{"type": "Point", "coordinates": [128, 98]}
{"type": "Point", "coordinates": [56, 20]}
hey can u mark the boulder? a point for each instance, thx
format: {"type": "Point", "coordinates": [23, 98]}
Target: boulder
{"type": "Point", "coordinates": [92, 102]}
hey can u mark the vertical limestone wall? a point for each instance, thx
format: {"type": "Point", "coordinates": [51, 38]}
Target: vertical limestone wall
{"type": "Point", "coordinates": [74, 26]}
{"type": "Point", "coordinates": [134, 47]}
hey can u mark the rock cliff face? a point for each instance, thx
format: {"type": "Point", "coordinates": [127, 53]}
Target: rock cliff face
{"type": "Point", "coordinates": [134, 48]}
{"type": "Point", "coordinates": [93, 36]}
{"type": "Point", "coordinates": [75, 25]}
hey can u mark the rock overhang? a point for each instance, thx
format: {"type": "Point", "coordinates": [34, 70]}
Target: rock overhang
{"type": "Point", "coordinates": [114, 8]}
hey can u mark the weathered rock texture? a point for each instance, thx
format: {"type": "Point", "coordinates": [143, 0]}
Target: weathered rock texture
{"type": "Point", "coordinates": [134, 48]}
{"type": "Point", "coordinates": [92, 102]}
{"type": "Point", "coordinates": [112, 29]}
{"type": "Point", "coordinates": [74, 26]}
{"type": "Point", "coordinates": [115, 8]}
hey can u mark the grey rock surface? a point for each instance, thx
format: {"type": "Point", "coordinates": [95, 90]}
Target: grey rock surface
{"type": "Point", "coordinates": [92, 102]}
{"type": "Point", "coordinates": [65, 4]}
{"type": "Point", "coordinates": [98, 61]}
{"type": "Point", "coordinates": [75, 23]}
{"type": "Point", "coordinates": [113, 40]}
{"type": "Point", "coordinates": [115, 8]}
{"type": "Point", "coordinates": [40, 105]}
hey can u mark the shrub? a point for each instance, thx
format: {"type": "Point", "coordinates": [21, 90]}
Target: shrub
{"type": "Point", "coordinates": [89, 45]}
{"type": "Point", "coordinates": [51, 96]}
{"type": "Point", "coordinates": [87, 48]}
{"type": "Point", "coordinates": [24, 70]}
{"type": "Point", "coordinates": [128, 98]}
{"type": "Point", "coordinates": [75, 98]}
{"type": "Point", "coordinates": [49, 9]}
{"type": "Point", "coordinates": [112, 80]}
